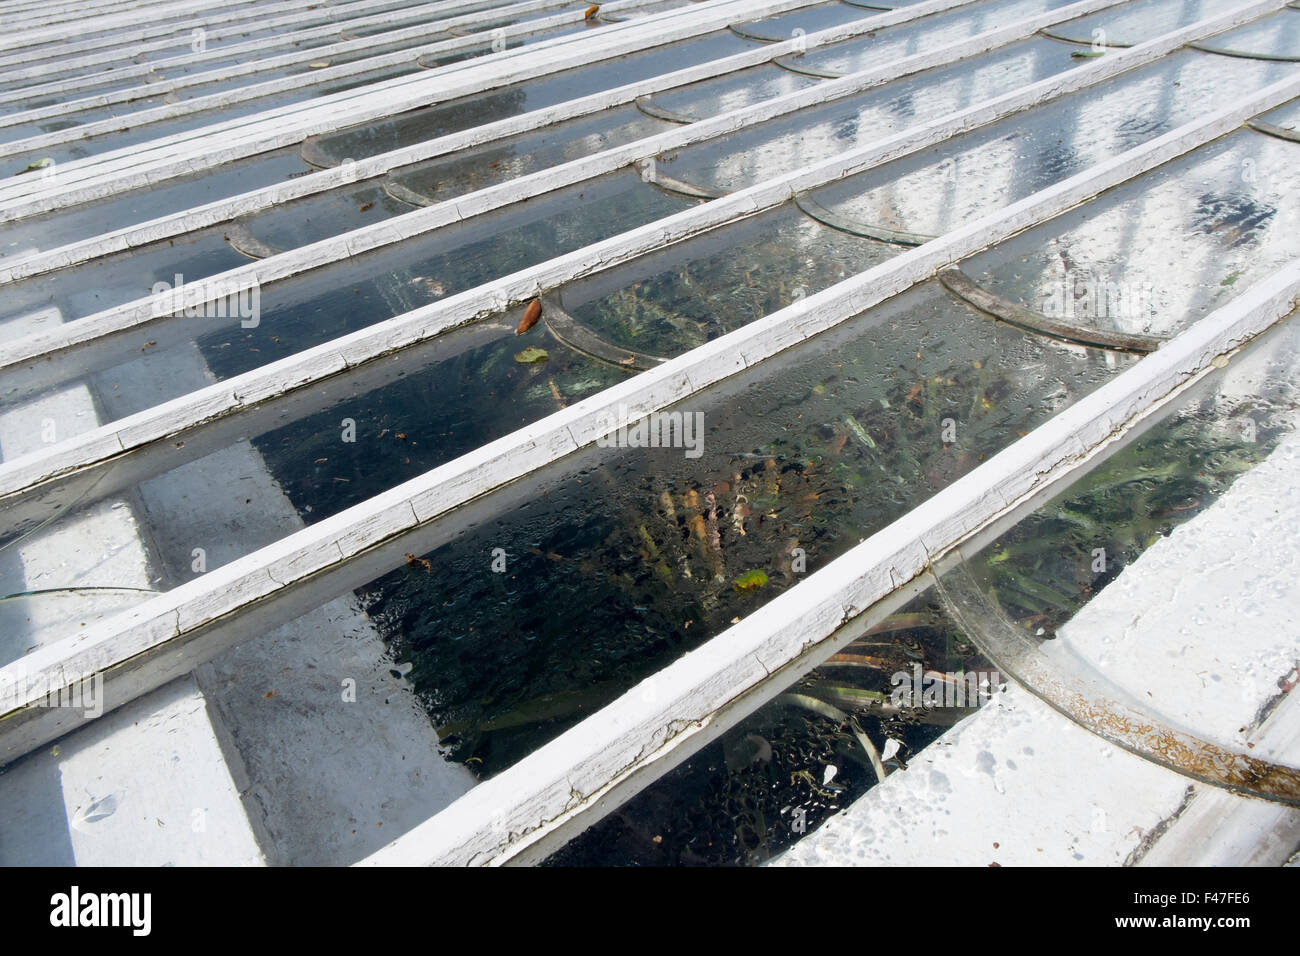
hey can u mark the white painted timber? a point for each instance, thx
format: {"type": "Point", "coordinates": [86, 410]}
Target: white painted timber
{"type": "Point", "coordinates": [177, 36]}
{"type": "Point", "coordinates": [63, 12]}
{"type": "Point", "coordinates": [124, 26]}
{"type": "Point", "coordinates": [160, 19]}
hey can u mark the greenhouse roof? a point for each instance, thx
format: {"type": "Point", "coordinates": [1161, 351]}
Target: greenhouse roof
{"type": "Point", "coordinates": [427, 429]}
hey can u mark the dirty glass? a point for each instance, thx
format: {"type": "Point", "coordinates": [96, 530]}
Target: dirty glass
{"type": "Point", "coordinates": [990, 166]}
{"type": "Point", "coordinates": [288, 225]}
{"type": "Point", "coordinates": [175, 195]}
{"type": "Point", "coordinates": [947, 186]}
{"type": "Point", "coordinates": [1245, 177]}
{"type": "Point", "coordinates": [822, 16]}
{"type": "Point", "coordinates": [920, 36]}
{"type": "Point", "coordinates": [740, 159]}
{"type": "Point", "coordinates": [164, 45]}
{"type": "Point", "coordinates": [178, 60]}
{"type": "Point", "coordinates": [665, 304]}
{"type": "Point", "coordinates": [1275, 36]}
{"type": "Point", "coordinates": [438, 180]}
{"type": "Point", "coordinates": [219, 84]}
{"type": "Point", "coordinates": [465, 112]}
{"type": "Point", "coordinates": [1134, 23]}
{"type": "Point", "coordinates": [1154, 256]}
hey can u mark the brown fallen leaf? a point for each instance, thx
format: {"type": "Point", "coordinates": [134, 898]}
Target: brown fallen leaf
{"type": "Point", "coordinates": [365, 206]}
{"type": "Point", "coordinates": [414, 562]}
{"type": "Point", "coordinates": [531, 315]}
{"type": "Point", "coordinates": [591, 11]}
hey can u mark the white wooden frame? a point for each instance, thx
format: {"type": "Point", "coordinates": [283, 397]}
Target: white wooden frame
{"type": "Point", "coordinates": [143, 634]}
{"type": "Point", "coordinates": [169, 18]}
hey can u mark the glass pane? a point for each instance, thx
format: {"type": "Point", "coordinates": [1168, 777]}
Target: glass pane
{"type": "Point", "coordinates": [1154, 257]}
{"type": "Point", "coordinates": [1134, 23]}
{"type": "Point", "coordinates": [809, 19]}
{"type": "Point", "coordinates": [945, 187]}
{"type": "Point", "coordinates": [419, 125]}
{"type": "Point", "coordinates": [247, 331]}
{"type": "Point", "coordinates": [1273, 36]}
{"type": "Point", "coordinates": [922, 35]}
{"type": "Point", "coordinates": [620, 559]}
